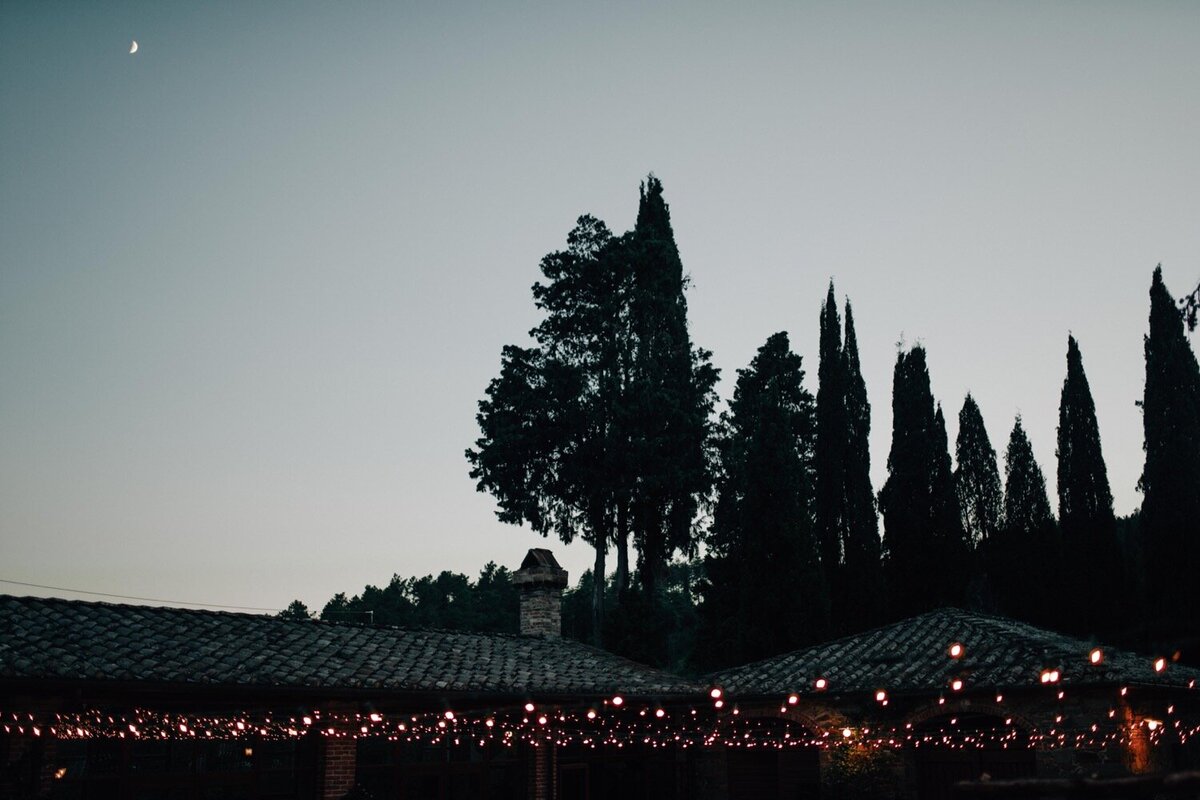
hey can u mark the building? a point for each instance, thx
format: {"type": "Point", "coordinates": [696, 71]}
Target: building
{"type": "Point", "coordinates": [111, 701]}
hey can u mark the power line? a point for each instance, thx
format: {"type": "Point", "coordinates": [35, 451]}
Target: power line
{"type": "Point", "coordinates": [133, 597]}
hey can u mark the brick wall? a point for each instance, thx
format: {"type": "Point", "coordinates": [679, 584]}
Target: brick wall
{"type": "Point", "coordinates": [336, 769]}
{"type": "Point", "coordinates": [541, 611]}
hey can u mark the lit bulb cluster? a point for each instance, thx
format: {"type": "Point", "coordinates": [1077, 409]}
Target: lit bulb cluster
{"type": "Point", "coordinates": [615, 721]}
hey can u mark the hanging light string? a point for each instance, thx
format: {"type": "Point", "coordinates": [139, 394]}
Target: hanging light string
{"type": "Point", "coordinates": [615, 721]}
{"type": "Point", "coordinates": [612, 721]}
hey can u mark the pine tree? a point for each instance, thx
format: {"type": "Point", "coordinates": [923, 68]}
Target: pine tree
{"type": "Point", "coordinates": [1170, 519]}
{"type": "Point", "coordinates": [860, 603]}
{"type": "Point", "coordinates": [923, 540]}
{"type": "Point", "coordinates": [1091, 560]}
{"type": "Point", "coordinates": [832, 439]}
{"type": "Point", "coordinates": [765, 592]}
{"type": "Point", "coordinates": [1026, 572]}
{"type": "Point", "coordinates": [552, 448]}
{"type": "Point", "coordinates": [977, 479]}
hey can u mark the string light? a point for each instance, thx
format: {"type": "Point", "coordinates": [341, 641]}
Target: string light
{"type": "Point", "coordinates": [956, 650]}
{"type": "Point", "coordinates": [651, 725]}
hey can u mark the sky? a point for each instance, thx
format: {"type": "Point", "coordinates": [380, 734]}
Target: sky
{"type": "Point", "coordinates": [255, 277]}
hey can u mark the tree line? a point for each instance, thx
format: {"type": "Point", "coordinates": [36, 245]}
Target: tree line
{"type": "Point", "coordinates": [604, 429]}
{"type": "Point", "coordinates": [749, 533]}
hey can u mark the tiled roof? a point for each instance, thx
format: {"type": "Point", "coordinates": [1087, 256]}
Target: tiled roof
{"type": "Point", "coordinates": [913, 655]}
{"type": "Point", "coordinates": [51, 639]}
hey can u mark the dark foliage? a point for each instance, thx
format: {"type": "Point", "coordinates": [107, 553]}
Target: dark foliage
{"type": "Point", "coordinates": [1094, 584]}
{"type": "Point", "coordinates": [1025, 557]}
{"type": "Point", "coordinates": [669, 400]}
{"type": "Point", "coordinates": [765, 592]}
{"type": "Point", "coordinates": [295, 610]}
{"type": "Point", "coordinates": [858, 599]}
{"type": "Point", "coordinates": [1170, 519]}
{"type": "Point", "coordinates": [602, 430]}
{"type": "Point", "coordinates": [832, 435]}
{"type": "Point", "coordinates": [977, 478]}
{"type": "Point", "coordinates": [1190, 306]}
{"type": "Point", "coordinates": [667, 636]}
{"type": "Point", "coordinates": [451, 601]}
{"type": "Point", "coordinates": [925, 555]}
{"type": "Point", "coordinates": [552, 448]}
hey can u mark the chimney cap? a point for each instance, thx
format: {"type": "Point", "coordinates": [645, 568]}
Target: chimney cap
{"type": "Point", "coordinates": [539, 557]}
{"type": "Point", "coordinates": [540, 569]}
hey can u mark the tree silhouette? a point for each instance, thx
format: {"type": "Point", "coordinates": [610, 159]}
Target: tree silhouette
{"type": "Point", "coordinates": [602, 429]}
{"type": "Point", "coordinates": [765, 592]}
{"type": "Point", "coordinates": [859, 604]}
{"type": "Point", "coordinates": [670, 399]}
{"type": "Point", "coordinates": [924, 548]}
{"type": "Point", "coordinates": [977, 478]}
{"type": "Point", "coordinates": [1027, 574]}
{"type": "Point", "coordinates": [832, 439]}
{"type": "Point", "coordinates": [1170, 519]}
{"type": "Point", "coordinates": [1093, 581]}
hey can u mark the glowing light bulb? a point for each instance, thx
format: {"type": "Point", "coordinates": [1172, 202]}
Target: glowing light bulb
{"type": "Point", "coordinates": [658, 712]}
{"type": "Point", "coordinates": [1152, 724]}
{"type": "Point", "coordinates": [376, 717]}
{"type": "Point", "coordinates": [715, 693]}
{"type": "Point", "coordinates": [847, 733]}
{"type": "Point", "coordinates": [1160, 664]}
{"type": "Point", "coordinates": [618, 700]}
{"type": "Point", "coordinates": [820, 684]}
{"type": "Point", "coordinates": [529, 708]}
{"type": "Point", "coordinates": [793, 699]}
{"type": "Point", "coordinates": [880, 696]}
{"type": "Point", "coordinates": [542, 719]}
{"type": "Point", "coordinates": [956, 650]}
{"type": "Point", "coordinates": [489, 722]}
{"type": "Point", "coordinates": [449, 715]}
{"type": "Point", "coordinates": [591, 714]}
{"type": "Point", "coordinates": [719, 704]}
{"type": "Point", "coordinates": [956, 684]}
{"type": "Point", "coordinates": [1096, 656]}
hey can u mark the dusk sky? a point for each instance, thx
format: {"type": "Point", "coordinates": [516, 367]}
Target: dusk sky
{"type": "Point", "coordinates": [255, 277]}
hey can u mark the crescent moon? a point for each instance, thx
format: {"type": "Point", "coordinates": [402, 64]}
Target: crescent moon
{"type": "Point", "coordinates": [133, 47]}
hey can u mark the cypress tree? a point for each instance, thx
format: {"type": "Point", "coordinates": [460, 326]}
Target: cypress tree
{"type": "Point", "coordinates": [977, 478]}
{"type": "Point", "coordinates": [672, 397]}
{"type": "Point", "coordinates": [1026, 505]}
{"type": "Point", "coordinates": [1027, 577]}
{"type": "Point", "coordinates": [1092, 569]}
{"type": "Point", "coordinates": [765, 592]}
{"type": "Point", "coordinates": [1170, 519]}
{"type": "Point", "coordinates": [860, 605]}
{"type": "Point", "coordinates": [832, 439]}
{"type": "Point", "coordinates": [922, 537]}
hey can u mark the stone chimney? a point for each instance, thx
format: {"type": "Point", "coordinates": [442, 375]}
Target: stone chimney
{"type": "Point", "coordinates": [540, 580]}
